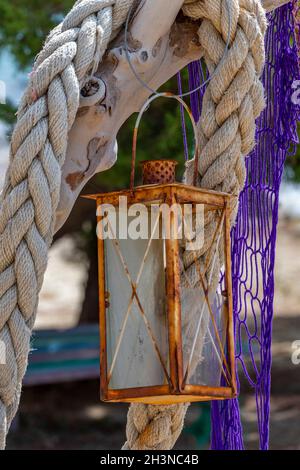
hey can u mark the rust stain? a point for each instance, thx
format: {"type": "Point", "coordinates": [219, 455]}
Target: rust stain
{"type": "Point", "coordinates": [184, 37]}
{"type": "Point", "coordinates": [157, 47]}
{"type": "Point", "coordinates": [82, 111]}
{"type": "Point", "coordinates": [74, 179]}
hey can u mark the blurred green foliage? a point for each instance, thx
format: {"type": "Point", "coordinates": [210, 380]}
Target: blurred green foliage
{"type": "Point", "coordinates": [24, 25]}
{"type": "Point", "coordinates": [293, 167]}
{"type": "Point", "coordinates": [293, 164]}
{"type": "Point", "coordinates": [160, 136]}
{"type": "Point", "coordinates": [8, 113]}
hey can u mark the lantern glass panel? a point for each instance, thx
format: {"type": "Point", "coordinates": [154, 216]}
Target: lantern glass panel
{"type": "Point", "coordinates": [204, 339]}
{"type": "Point", "coordinates": [137, 332]}
{"type": "Point", "coordinates": [205, 318]}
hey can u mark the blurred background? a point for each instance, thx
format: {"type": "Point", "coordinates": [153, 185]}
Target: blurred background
{"type": "Point", "coordinates": [60, 407]}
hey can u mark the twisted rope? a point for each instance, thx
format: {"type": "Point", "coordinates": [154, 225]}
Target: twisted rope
{"type": "Point", "coordinates": [154, 427]}
{"type": "Point", "coordinates": [233, 100]}
{"type": "Point", "coordinates": [31, 192]}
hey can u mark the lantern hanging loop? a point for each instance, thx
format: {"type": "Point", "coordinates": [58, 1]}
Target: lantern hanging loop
{"type": "Point", "coordinates": [136, 129]}
{"type": "Point", "coordinates": [189, 93]}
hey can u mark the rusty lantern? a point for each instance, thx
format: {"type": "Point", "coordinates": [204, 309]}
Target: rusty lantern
{"type": "Point", "coordinates": [166, 324]}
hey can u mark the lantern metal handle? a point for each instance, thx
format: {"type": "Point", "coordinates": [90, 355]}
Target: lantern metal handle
{"type": "Point", "coordinates": [136, 129]}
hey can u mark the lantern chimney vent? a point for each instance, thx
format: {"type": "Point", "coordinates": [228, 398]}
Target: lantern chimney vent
{"type": "Point", "coordinates": [159, 171]}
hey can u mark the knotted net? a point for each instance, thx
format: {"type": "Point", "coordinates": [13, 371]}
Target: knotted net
{"type": "Point", "coordinates": [254, 234]}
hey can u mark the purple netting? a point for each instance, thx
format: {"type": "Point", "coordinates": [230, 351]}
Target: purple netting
{"type": "Point", "coordinates": [254, 235]}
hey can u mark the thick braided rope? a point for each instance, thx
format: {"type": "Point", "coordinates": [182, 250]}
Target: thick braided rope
{"type": "Point", "coordinates": [32, 186]}
{"type": "Point", "coordinates": [154, 427]}
{"type": "Point", "coordinates": [233, 100]}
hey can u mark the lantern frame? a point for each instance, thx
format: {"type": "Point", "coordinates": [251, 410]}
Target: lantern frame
{"type": "Point", "coordinates": [176, 390]}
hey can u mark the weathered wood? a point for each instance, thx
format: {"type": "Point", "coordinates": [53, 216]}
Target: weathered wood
{"type": "Point", "coordinates": [157, 54]}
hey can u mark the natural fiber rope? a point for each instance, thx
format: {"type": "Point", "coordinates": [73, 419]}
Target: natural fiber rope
{"type": "Point", "coordinates": [233, 100]}
{"type": "Point", "coordinates": [30, 197]}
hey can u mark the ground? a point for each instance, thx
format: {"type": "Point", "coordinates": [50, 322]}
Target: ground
{"type": "Point", "coordinates": [70, 416]}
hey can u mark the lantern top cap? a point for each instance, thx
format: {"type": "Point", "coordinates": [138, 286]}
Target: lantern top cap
{"type": "Point", "coordinates": [153, 192]}
{"type": "Point", "coordinates": [159, 171]}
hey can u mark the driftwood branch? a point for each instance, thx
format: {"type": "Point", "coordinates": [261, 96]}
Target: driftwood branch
{"type": "Point", "coordinates": [160, 45]}
{"type": "Point", "coordinates": [157, 53]}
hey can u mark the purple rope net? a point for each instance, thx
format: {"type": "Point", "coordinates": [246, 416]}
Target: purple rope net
{"type": "Point", "coordinates": [254, 235]}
